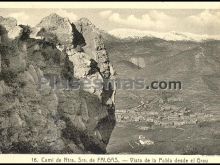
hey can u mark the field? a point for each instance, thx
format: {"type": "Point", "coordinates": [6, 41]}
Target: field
{"type": "Point", "coordinates": [202, 139]}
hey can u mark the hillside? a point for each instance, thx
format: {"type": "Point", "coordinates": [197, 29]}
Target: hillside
{"type": "Point", "coordinates": [178, 121]}
{"type": "Point", "coordinates": [195, 64]}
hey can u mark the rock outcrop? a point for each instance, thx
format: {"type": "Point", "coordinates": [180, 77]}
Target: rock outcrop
{"type": "Point", "coordinates": [11, 27]}
{"type": "Point", "coordinates": [95, 46]}
{"type": "Point", "coordinates": [44, 106]}
{"type": "Point", "coordinates": [8, 23]}
{"type": "Point", "coordinates": [60, 27]}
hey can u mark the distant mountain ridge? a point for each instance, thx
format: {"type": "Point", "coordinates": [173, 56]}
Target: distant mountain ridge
{"type": "Point", "coordinates": [126, 33]}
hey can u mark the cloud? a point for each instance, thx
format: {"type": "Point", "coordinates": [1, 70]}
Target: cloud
{"type": "Point", "coordinates": [151, 20]}
{"type": "Point", "coordinates": [205, 17]}
{"type": "Point", "coordinates": [205, 22]}
{"type": "Point", "coordinates": [105, 13]}
{"type": "Point", "coordinates": [21, 17]}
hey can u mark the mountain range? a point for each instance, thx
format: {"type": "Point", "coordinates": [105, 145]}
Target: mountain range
{"type": "Point", "coordinates": [190, 59]}
{"type": "Point", "coordinates": [126, 33]}
{"type": "Point", "coordinates": [195, 64]}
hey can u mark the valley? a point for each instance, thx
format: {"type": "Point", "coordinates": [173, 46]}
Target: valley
{"type": "Point", "coordinates": [166, 114]}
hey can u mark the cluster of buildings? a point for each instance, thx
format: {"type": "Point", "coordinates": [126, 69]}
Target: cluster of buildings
{"type": "Point", "coordinates": [164, 114]}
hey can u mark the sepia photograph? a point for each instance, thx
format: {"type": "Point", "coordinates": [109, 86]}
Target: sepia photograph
{"type": "Point", "coordinates": [104, 80]}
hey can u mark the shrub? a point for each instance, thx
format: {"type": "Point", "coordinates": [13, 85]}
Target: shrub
{"type": "Point", "coordinates": [26, 32]}
{"type": "Point", "coordinates": [8, 76]}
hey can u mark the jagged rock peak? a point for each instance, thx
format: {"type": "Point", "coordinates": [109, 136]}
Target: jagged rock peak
{"type": "Point", "coordinates": [8, 23]}
{"type": "Point", "coordinates": [59, 26]}
{"type": "Point", "coordinates": [85, 21]}
{"type": "Point", "coordinates": [8, 19]}
{"type": "Point", "coordinates": [9, 26]}
{"type": "Point", "coordinates": [53, 18]}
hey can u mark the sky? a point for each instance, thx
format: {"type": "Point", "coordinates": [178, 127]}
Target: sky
{"type": "Point", "coordinates": [159, 20]}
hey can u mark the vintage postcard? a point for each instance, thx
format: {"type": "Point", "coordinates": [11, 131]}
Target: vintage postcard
{"type": "Point", "coordinates": [109, 82]}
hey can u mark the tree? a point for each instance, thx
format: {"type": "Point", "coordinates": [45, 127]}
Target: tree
{"type": "Point", "coordinates": [26, 32]}
{"type": "Point", "coordinates": [48, 36]}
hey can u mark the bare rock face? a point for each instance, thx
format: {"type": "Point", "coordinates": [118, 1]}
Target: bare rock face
{"type": "Point", "coordinates": [8, 23]}
{"type": "Point", "coordinates": [41, 111]}
{"type": "Point", "coordinates": [15, 32]}
{"type": "Point", "coordinates": [10, 26]}
{"type": "Point", "coordinates": [61, 27]}
{"type": "Point", "coordinates": [94, 44]}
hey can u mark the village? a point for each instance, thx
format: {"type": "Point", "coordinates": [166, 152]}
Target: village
{"type": "Point", "coordinates": [160, 113]}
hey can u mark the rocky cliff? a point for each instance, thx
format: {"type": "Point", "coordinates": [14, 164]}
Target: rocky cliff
{"type": "Point", "coordinates": [42, 108]}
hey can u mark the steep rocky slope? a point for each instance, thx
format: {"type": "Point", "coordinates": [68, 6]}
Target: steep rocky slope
{"type": "Point", "coordinates": [40, 112]}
